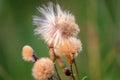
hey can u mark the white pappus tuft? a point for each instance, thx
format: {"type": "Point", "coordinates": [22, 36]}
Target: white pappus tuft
{"type": "Point", "coordinates": [54, 25]}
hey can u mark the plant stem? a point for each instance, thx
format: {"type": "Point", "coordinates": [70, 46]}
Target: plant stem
{"type": "Point", "coordinates": [51, 78]}
{"type": "Point", "coordinates": [57, 72]}
{"type": "Point", "coordinates": [72, 75]}
{"type": "Point", "coordinates": [55, 77]}
{"type": "Point", "coordinates": [34, 56]}
{"type": "Point", "coordinates": [76, 68]}
{"type": "Point", "coordinates": [51, 47]}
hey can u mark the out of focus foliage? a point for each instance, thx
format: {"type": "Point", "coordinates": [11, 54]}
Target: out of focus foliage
{"type": "Point", "coordinates": [99, 22]}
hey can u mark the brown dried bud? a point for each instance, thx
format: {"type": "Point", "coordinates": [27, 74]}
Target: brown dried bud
{"type": "Point", "coordinates": [67, 72]}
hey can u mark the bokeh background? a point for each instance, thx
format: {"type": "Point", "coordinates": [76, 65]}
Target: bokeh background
{"type": "Point", "coordinates": [99, 22]}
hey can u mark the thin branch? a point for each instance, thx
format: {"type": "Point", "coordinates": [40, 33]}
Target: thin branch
{"type": "Point", "coordinates": [57, 72]}
{"type": "Point", "coordinates": [76, 68]}
{"type": "Point", "coordinates": [51, 78]}
{"type": "Point", "coordinates": [51, 47]}
{"type": "Point", "coordinates": [72, 75]}
{"type": "Point", "coordinates": [34, 56]}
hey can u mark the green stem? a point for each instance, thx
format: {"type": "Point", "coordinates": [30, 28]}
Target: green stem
{"type": "Point", "coordinates": [72, 75]}
{"type": "Point", "coordinates": [76, 68]}
{"type": "Point", "coordinates": [57, 72]}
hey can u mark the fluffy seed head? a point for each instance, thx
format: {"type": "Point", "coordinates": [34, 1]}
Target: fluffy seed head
{"type": "Point", "coordinates": [43, 68]}
{"type": "Point", "coordinates": [55, 24]}
{"type": "Point", "coordinates": [67, 26]}
{"type": "Point", "coordinates": [70, 47]}
{"type": "Point", "coordinates": [27, 53]}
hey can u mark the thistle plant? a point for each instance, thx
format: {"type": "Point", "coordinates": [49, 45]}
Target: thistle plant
{"type": "Point", "coordinates": [57, 27]}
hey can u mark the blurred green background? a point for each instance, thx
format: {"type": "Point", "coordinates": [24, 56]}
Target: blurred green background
{"type": "Point", "coordinates": [99, 22]}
